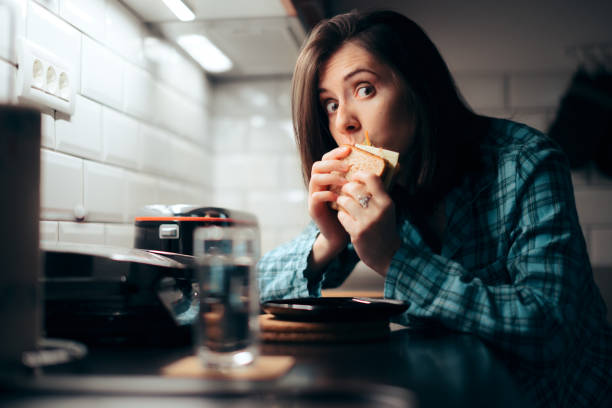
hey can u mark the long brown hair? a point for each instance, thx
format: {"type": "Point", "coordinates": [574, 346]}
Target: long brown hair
{"type": "Point", "coordinates": [445, 142]}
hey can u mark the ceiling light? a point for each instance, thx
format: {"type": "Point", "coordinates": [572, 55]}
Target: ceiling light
{"type": "Point", "coordinates": [180, 10]}
{"type": "Point", "coordinates": [205, 53]}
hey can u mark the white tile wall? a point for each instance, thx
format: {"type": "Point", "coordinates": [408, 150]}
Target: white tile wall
{"type": "Point", "coordinates": [202, 134]}
{"type": "Point", "coordinates": [278, 209]}
{"type": "Point", "coordinates": [166, 112]}
{"type": "Point", "coordinates": [271, 136]}
{"type": "Point", "coordinates": [283, 97]}
{"type": "Point", "coordinates": [52, 5]}
{"type": "Point", "coordinates": [139, 93]}
{"type": "Point", "coordinates": [124, 33]}
{"type": "Point", "coordinates": [601, 239]}
{"type": "Point", "coordinates": [104, 193]}
{"type": "Point", "coordinates": [171, 192]}
{"type": "Point", "coordinates": [179, 114]}
{"type": "Point", "coordinates": [193, 83]}
{"type": "Point", "coordinates": [230, 134]}
{"type": "Point", "coordinates": [5, 44]}
{"type": "Point", "coordinates": [282, 216]}
{"type": "Point", "coordinates": [191, 120]}
{"type": "Point", "coordinates": [246, 98]}
{"type": "Point", "coordinates": [142, 190]}
{"type": "Point", "coordinates": [291, 173]}
{"type": "Point", "coordinates": [197, 195]}
{"type": "Point", "coordinates": [188, 163]}
{"type": "Point", "coordinates": [61, 185]}
{"type": "Point", "coordinates": [95, 160]}
{"type": "Point", "coordinates": [48, 129]}
{"type": "Point", "coordinates": [482, 91]}
{"type": "Point", "coordinates": [543, 90]}
{"type": "Point", "coordinates": [594, 205]}
{"type": "Point", "coordinates": [81, 133]}
{"type": "Point", "coordinates": [48, 231]}
{"type": "Point", "coordinates": [87, 16]}
{"type": "Point", "coordinates": [156, 149]}
{"type": "Point", "coordinates": [230, 198]}
{"type": "Point", "coordinates": [254, 138]}
{"type": "Point", "coordinates": [7, 73]}
{"type": "Point", "coordinates": [20, 14]}
{"type": "Point", "coordinates": [256, 171]}
{"type": "Point", "coordinates": [102, 74]}
{"type": "Point", "coordinates": [119, 235]}
{"type": "Point", "coordinates": [120, 134]}
{"type": "Point", "coordinates": [82, 232]}
{"type": "Point", "coordinates": [206, 176]}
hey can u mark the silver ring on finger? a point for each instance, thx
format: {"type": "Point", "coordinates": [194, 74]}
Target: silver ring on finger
{"type": "Point", "coordinates": [364, 200]}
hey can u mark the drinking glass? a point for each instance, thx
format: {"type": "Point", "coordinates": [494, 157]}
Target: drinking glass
{"type": "Point", "coordinates": [227, 328]}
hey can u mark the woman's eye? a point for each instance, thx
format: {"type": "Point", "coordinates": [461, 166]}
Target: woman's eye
{"type": "Point", "coordinates": [364, 91]}
{"type": "Point", "coordinates": [331, 106]}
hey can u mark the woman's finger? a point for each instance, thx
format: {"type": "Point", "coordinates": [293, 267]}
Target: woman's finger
{"type": "Point", "coordinates": [323, 181]}
{"type": "Point", "coordinates": [337, 153]}
{"type": "Point", "coordinates": [347, 221]}
{"type": "Point", "coordinates": [350, 206]}
{"type": "Point", "coordinates": [327, 166]}
{"type": "Point", "coordinates": [323, 196]}
{"type": "Point", "coordinates": [373, 184]}
{"type": "Point", "coordinates": [355, 189]}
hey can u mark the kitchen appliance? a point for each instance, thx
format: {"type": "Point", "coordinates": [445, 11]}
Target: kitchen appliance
{"type": "Point", "coordinates": [19, 208]}
{"type": "Point", "coordinates": [144, 295]}
{"type": "Point", "coordinates": [19, 211]}
{"type": "Point", "coordinates": [103, 294]}
{"type": "Point", "coordinates": [169, 228]}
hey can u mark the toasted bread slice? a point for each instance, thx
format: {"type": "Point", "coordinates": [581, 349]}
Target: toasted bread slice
{"type": "Point", "coordinates": [362, 160]}
{"type": "Point", "coordinates": [390, 157]}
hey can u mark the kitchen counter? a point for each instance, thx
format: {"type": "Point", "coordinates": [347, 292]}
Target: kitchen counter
{"type": "Point", "coordinates": [410, 368]}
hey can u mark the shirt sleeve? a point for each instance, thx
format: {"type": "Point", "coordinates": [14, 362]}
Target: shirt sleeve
{"type": "Point", "coordinates": [534, 314]}
{"type": "Point", "coordinates": [283, 272]}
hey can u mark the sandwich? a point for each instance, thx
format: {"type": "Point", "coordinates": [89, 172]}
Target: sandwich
{"type": "Point", "coordinates": [382, 163]}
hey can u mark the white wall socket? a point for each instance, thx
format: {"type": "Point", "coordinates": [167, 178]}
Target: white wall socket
{"type": "Point", "coordinates": [43, 79]}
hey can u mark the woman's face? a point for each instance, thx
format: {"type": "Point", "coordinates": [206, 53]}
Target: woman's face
{"type": "Point", "coordinates": [361, 94]}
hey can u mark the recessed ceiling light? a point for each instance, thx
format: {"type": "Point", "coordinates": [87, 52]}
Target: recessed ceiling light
{"type": "Point", "coordinates": [180, 10]}
{"type": "Point", "coordinates": [205, 53]}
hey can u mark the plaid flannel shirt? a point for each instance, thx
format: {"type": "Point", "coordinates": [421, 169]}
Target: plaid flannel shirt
{"type": "Point", "coordinates": [513, 270]}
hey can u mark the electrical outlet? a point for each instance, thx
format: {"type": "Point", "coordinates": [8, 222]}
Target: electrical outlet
{"type": "Point", "coordinates": [43, 79]}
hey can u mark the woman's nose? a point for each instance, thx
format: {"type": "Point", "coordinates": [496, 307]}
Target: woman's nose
{"type": "Point", "coordinates": [347, 121]}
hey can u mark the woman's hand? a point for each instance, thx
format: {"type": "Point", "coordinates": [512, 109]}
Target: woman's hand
{"type": "Point", "coordinates": [367, 213]}
{"type": "Point", "coordinates": [325, 174]}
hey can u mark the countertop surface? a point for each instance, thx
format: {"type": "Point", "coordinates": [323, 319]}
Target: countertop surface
{"type": "Point", "coordinates": [410, 368]}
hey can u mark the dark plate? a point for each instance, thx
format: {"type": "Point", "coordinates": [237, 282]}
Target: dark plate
{"type": "Point", "coordinates": [335, 308]}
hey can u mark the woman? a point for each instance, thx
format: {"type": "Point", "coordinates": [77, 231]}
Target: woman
{"type": "Point", "coordinates": [480, 233]}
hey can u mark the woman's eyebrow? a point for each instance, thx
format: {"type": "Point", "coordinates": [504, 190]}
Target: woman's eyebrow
{"type": "Point", "coordinates": [351, 74]}
{"type": "Point", "coordinates": [357, 71]}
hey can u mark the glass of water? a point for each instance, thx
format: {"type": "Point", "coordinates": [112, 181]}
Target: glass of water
{"type": "Point", "coordinates": [227, 328]}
